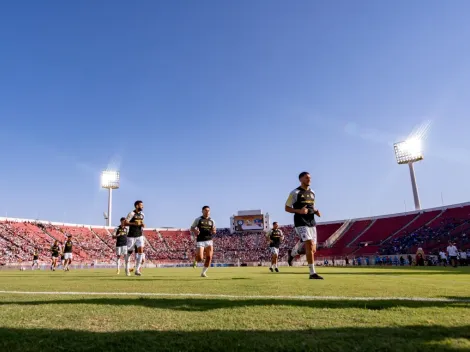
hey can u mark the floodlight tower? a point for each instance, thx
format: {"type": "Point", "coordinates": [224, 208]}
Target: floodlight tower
{"type": "Point", "coordinates": [409, 152]}
{"type": "Point", "coordinates": [110, 180]}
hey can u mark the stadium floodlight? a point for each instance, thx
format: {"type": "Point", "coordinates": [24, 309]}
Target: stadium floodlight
{"type": "Point", "coordinates": [409, 152]}
{"type": "Point", "coordinates": [110, 181]}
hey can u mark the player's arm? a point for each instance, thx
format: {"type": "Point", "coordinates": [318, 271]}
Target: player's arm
{"type": "Point", "coordinates": [268, 235]}
{"type": "Point", "coordinates": [194, 228]}
{"type": "Point", "coordinates": [214, 228]}
{"type": "Point", "coordinates": [289, 207]}
{"type": "Point", "coordinates": [282, 235]}
{"type": "Point", "coordinates": [129, 218]}
{"type": "Point", "coordinates": [114, 235]}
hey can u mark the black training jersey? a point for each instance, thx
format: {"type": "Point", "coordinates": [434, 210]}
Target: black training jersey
{"type": "Point", "coordinates": [205, 227]}
{"type": "Point", "coordinates": [138, 218]}
{"type": "Point", "coordinates": [121, 236]}
{"type": "Point", "coordinates": [298, 199]}
{"type": "Point", "coordinates": [35, 256]}
{"type": "Point", "coordinates": [55, 250]}
{"type": "Point", "coordinates": [68, 247]}
{"type": "Point", "coordinates": [275, 238]}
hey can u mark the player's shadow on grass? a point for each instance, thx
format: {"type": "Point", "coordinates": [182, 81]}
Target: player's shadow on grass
{"type": "Point", "coordinates": [409, 338]}
{"type": "Point", "coordinates": [201, 305]}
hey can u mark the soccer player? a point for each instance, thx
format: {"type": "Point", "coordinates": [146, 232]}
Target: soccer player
{"type": "Point", "coordinates": [120, 235]}
{"type": "Point", "coordinates": [68, 249]}
{"type": "Point", "coordinates": [35, 259]}
{"type": "Point", "coordinates": [274, 236]}
{"type": "Point", "coordinates": [135, 236]}
{"type": "Point", "coordinates": [55, 249]}
{"type": "Point", "coordinates": [301, 203]}
{"type": "Point", "coordinates": [204, 227]}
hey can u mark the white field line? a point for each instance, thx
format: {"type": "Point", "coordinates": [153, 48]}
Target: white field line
{"type": "Point", "coordinates": [222, 296]}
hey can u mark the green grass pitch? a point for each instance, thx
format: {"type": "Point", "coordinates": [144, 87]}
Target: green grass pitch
{"type": "Point", "coordinates": [196, 316]}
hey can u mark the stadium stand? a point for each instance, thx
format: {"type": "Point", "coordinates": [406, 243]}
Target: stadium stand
{"type": "Point", "coordinates": [389, 235]}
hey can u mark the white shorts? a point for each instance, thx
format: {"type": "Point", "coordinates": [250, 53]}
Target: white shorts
{"type": "Point", "coordinates": [204, 244]}
{"type": "Point", "coordinates": [307, 233]}
{"type": "Point", "coordinates": [274, 250]}
{"type": "Point", "coordinates": [68, 256]}
{"type": "Point", "coordinates": [35, 262]}
{"type": "Point", "coordinates": [121, 250]}
{"type": "Point", "coordinates": [135, 242]}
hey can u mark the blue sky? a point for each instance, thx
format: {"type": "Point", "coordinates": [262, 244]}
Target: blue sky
{"type": "Point", "coordinates": [225, 102]}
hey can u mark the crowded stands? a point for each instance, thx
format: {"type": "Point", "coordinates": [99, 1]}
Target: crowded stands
{"type": "Point", "coordinates": [385, 240]}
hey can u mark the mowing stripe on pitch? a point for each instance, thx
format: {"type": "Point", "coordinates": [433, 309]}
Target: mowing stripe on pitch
{"type": "Point", "coordinates": [222, 296]}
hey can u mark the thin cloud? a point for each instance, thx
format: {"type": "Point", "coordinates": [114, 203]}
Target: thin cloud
{"type": "Point", "coordinates": [369, 134]}
{"type": "Point", "coordinates": [422, 131]}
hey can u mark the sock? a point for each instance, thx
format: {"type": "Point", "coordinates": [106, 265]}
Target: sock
{"type": "Point", "coordinates": [275, 265]}
{"type": "Point", "coordinates": [204, 270]}
{"type": "Point", "coordinates": [126, 261]}
{"type": "Point", "coordinates": [139, 262]}
{"type": "Point", "coordinates": [118, 263]}
{"type": "Point", "coordinates": [272, 265]}
{"type": "Point", "coordinates": [312, 269]}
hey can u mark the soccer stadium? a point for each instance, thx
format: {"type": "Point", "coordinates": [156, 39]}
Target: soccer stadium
{"type": "Point", "coordinates": [386, 289]}
{"type": "Point", "coordinates": [234, 176]}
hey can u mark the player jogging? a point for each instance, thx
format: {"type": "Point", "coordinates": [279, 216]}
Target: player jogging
{"type": "Point", "coordinates": [68, 249]}
{"type": "Point", "coordinates": [274, 236]}
{"type": "Point", "coordinates": [135, 236]}
{"type": "Point", "coordinates": [55, 249]}
{"type": "Point", "coordinates": [204, 227]}
{"type": "Point", "coordinates": [35, 259]}
{"type": "Point", "coordinates": [301, 203]}
{"type": "Point", "coordinates": [120, 235]}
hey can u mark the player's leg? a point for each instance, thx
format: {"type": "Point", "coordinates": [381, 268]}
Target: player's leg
{"type": "Point", "coordinates": [66, 266]}
{"type": "Point", "coordinates": [68, 261]}
{"type": "Point", "coordinates": [130, 250]}
{"type": "Point", "coordinates": [139, 255]}
{"type": "Point", "coordinates": [208, 251]}
{"type": "Point", "coordinates": [120, 251]}
{"type": "Point", "coordinates": [275, 259]}
{"type": "Point", "coordinates": [199, 254]}
{"type": "Point", "coordinates": [299, 247]}
{"type": "Point", "coordinates": [271, 267]}
{"type": "Point", "coordinates": [118, 264]}
{"type": "Point", "coordinates": [310, 249]}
